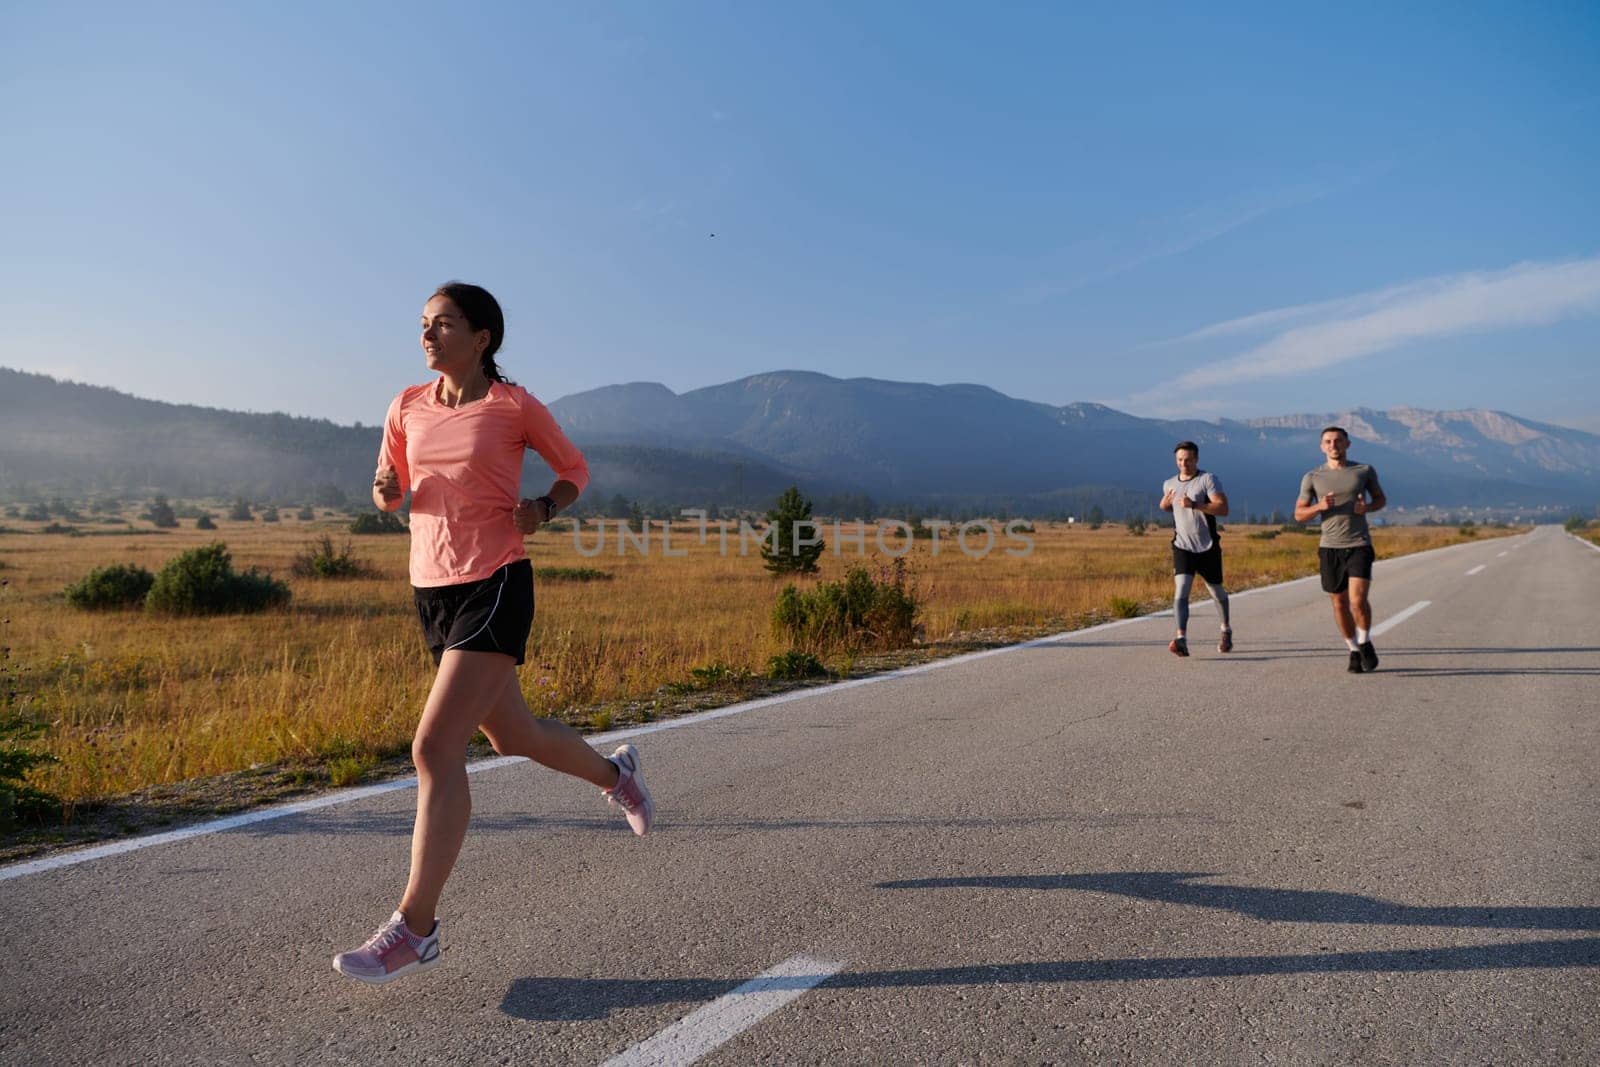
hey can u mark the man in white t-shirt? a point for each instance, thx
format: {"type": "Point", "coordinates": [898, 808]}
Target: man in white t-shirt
{"type": "Point", "coordinates": [1196, 500]}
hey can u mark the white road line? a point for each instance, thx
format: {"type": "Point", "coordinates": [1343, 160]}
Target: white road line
{"type": "Point", "coordinates": [1503, 553]}
{"type": "Point", "coordinates": [1584, 541]}
{"type": "Point", "coordinates": [729, 1015]}
{"type": "Point", "coordinates": [1395, 620]}
{"type": "Point", "coordinates": [1479, 567]}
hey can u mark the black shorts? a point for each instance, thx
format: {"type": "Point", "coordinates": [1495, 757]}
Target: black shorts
{"type": "Point", "coordinates": [1207, 564]}
{"type": "Point", "coordinates": [1339, 565]}
{"type": "Point", "coordinates": [492, 615]}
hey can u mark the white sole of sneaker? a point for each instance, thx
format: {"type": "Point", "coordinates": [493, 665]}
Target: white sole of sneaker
{"type": "Point", "coordinates": [384, 979]}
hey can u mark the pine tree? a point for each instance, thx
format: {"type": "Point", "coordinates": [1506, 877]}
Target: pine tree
{"type": "Point", "coordinates": [792, 523]}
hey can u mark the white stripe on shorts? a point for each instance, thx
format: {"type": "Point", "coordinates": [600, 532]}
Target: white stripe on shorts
{"type": "Point", "coordinates": [505, 572]}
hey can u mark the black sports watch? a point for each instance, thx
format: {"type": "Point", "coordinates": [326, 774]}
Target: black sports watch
{"type": "Point", "coordinates": [549, 503]}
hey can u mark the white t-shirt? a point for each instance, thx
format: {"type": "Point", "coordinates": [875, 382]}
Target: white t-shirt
{"type": "Point", "coordinates": [1192, 529]}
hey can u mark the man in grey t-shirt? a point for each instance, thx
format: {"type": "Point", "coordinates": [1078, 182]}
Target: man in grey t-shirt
{"type": "Point", "coordinates": [1196, 500]}
{"type": "Point", "coordinates": [1344, 494]}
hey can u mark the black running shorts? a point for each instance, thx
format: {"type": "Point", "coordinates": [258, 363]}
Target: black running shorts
{"type": "Point", "coordinates": [492, 615]}
{"type": "Point", "coordinates": [1339, 565]}
{"type": "Point", "coordinates": [1207, 564]}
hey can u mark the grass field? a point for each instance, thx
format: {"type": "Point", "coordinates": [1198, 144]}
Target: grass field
{"type": "Point", "coordinates": [336, 680]}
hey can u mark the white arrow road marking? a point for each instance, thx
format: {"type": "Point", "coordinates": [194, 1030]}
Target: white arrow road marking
{"type": "Point", "coordinates": [729, 1015]}
{"type": "Point", "coordinates": [1390, 623]}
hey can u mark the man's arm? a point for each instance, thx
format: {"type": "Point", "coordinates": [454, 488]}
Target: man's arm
{"type": "Point", "coordinates": [1306, 505]}
{"type": "Point", "coordinates": [1307, 512]}
{"type": "Point", "coordinates": [1217, 506]}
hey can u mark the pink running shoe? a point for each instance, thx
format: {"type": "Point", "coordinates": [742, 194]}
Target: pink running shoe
{"type": "Point", "coordinates": [630, 793]}
{"type": "Point", "coordinates": [393, 952]}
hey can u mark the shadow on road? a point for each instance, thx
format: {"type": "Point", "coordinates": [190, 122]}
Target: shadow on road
{"type": "Point", "coordinates": [1277, 905]}
{"type": "Point", "coordinates": [400, 823]}
{"type": "Point", "coordinates": [581, 999]}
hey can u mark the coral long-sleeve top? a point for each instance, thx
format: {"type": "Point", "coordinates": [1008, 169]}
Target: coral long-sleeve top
{"type": "Point", "coordinates": [463, 468]}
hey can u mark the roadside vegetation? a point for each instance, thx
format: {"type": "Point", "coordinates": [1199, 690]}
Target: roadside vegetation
{"type": "Point", "coordinates": [1588, 529]}
{"type": "Point", "coordinates": [327, 684]}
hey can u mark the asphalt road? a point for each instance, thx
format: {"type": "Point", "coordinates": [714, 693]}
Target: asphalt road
{"type": "Point", "coordinates": [1082, 850]}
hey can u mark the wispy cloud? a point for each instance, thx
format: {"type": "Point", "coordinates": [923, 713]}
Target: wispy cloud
{"type": "Point", "coordinates": [1171, 237]}
{"type": "Point", "coordinates": [1311, 337]}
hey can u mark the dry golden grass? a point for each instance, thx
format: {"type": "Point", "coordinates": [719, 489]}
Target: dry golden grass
{"type": "Point", "coordinates": [339, 676]}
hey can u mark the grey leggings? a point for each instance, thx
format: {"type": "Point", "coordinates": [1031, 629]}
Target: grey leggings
{"type": "Point", "coordinates": [1182, 583]}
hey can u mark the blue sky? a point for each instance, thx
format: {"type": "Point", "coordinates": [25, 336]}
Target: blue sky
{"type": "Point", "coordinates": [1194, 210]}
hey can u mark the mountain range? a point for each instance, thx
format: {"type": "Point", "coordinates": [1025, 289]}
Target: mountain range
{"type": "Point", "coordinates": [739, 443]}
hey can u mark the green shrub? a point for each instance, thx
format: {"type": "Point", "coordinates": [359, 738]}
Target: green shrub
{"type": "Point", "coordinates": [202, 581]}
{"type": "Point", "coordinates": [571, 574]}
{"type": "Point", "coordinates": [19, 801]}
{"type": "Point", "coordinates": [1574, 523]}
{"type": "Point", "coordinates": [117, 586]}
{"type": "Point", "coordinates": [270, 515]}
{"type": "Point", "coordinates": [794, 664]}
{"type": "Point", "coordinates": [1124, 607]}
{"type": "Point", "coordinates": [305, 514]}
{"type": "Point", "coordinates": [161, 514]}
{"type": "Point", "coordinates": [204, 522]}
{"type": "Point", "coordinates": [320, 560]}
{"type": "Point", "coordinates": [1137, 526]}
{"type": "Point", "coordinates": [1264, 535]}
{"type": "Point", "coordinates": [861, 611]}
{"type": "Point", "coordinates": [718, 674]}
{"type": "Point", "coordinates": [350, 770]}
{"type": "Point", "coordinates": [377, 522]}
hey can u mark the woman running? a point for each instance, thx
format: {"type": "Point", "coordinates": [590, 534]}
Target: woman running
{"type": "Point", "coordinates": [456, 444]}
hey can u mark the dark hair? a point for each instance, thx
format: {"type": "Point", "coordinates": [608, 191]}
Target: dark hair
{"type": "Point", "coordinates": [1334, 429]}
{"type": "Point", "coordinates": [1190, 445]}
{"type": "Point", "coordinates": [482, 312]}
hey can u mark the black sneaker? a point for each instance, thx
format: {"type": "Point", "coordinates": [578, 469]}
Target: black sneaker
{"type": "Point", "coordinates": [1355, 663]}
{"type": "Point", "coordinates": [1179, 646]}
{"type": "Point", "coordinates": [1369, 656]}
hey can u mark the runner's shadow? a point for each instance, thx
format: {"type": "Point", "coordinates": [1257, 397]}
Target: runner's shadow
{"type": "Point", "coordinates": [1525, 672]}
{"type": "Point", "coordinates": [1277, 905]}
{"type": "Point", "coordinates": [585, 999]}
{"type": "Point", "coordinates": [1504, 650]}
{"type": "Point", "coordinates": [400, 823]}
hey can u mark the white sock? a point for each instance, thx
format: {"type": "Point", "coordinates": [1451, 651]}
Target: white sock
{"type": "Point", "coordinates": [1362, 637]}
{"type": "Point", "coordinates": [1350, 643]}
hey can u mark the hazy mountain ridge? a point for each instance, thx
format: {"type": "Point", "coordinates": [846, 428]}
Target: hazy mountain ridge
{"type": "Point", "coordinates": [739, 442]}
{"type": "Point", "coordinates": [965, 441]}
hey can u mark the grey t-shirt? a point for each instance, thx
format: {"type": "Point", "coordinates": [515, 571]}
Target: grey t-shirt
{"type": "Point", "coordinates": [1193, 530]}
{"type": "Point", "coordinates": [1341, 527]}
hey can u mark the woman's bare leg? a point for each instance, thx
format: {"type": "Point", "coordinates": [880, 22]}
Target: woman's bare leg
{"type": "Point", "coordinates": [514, 730]}
{"type": "Point", "coordinates": [466, 685]}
